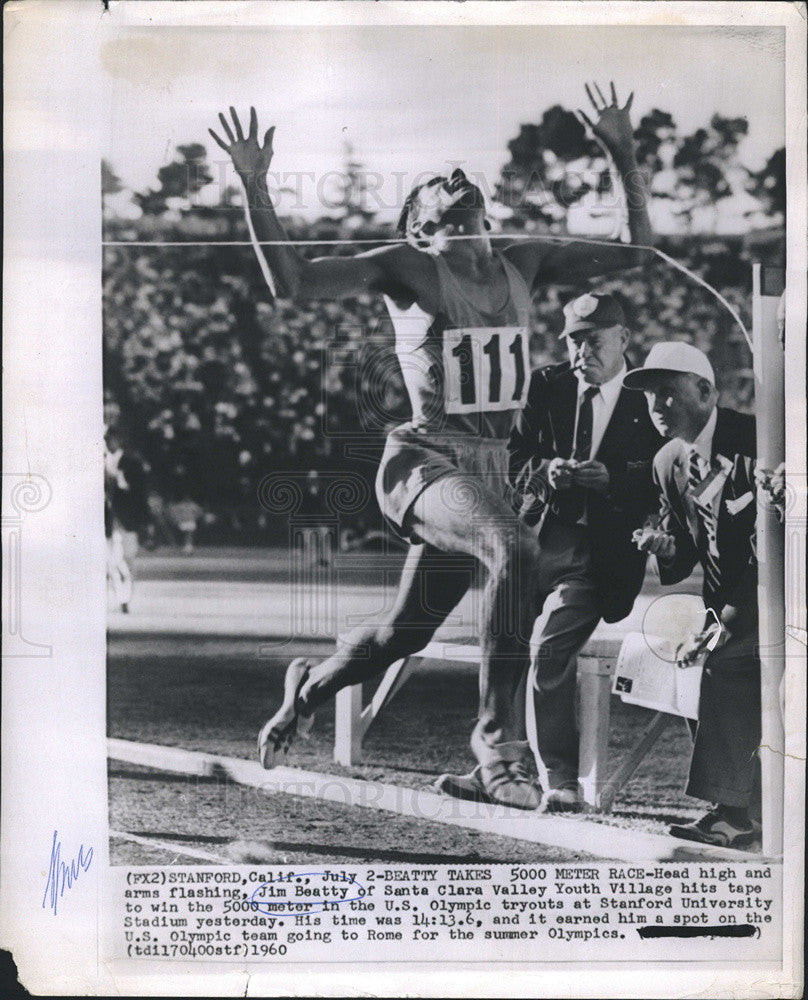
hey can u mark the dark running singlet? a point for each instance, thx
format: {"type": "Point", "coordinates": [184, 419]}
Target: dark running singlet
{"type": "Point", "coordinates": [468, 372]}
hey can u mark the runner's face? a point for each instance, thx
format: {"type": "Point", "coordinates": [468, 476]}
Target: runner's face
{"type": "Point", "coordinates": [678, 405]}
{"type": "Point", "coordinates": [598, 354]}
{"type": "Point", "coordinates": [454, 207]}
{"type": "Point", "coordinates": [462, 222]}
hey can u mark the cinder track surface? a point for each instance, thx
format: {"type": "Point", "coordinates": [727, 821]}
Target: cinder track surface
{"type": "Point", "coordinates": [174, 683]}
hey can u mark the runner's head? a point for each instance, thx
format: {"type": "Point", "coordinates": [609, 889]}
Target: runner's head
{"type": "Point", "coordinates": [441, 207]}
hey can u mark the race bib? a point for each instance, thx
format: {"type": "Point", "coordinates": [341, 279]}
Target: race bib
{"type": "Point", "coordinates": [486, 369]}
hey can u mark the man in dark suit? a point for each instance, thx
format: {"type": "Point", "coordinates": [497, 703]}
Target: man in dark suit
{"type": "Point", "coordinates": [706, 477]}
{"type": "Point", "coordinates": [580, 466]}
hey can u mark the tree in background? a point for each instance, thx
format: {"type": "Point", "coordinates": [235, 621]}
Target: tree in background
{"type": "Point", "coordinates": [706, 166]}
{"type": "Point", "coordinates": [352, 198]}
{"type": "Point", "coordinates": [555, 171]}
{"type": "Point", "coordinates": [653, 135]}
{"type": "Point", "coordinates": [769, 186]}
{"type": "Point", "coordinates": [552, 166]}
{"type": "Point", "coordinates": [181, 179]}
{"type": "Point", "coordinates": [110, 181]}
{"type": "Point", "coordinates": [111, 186]}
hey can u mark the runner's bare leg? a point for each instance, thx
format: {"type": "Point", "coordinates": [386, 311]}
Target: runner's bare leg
{"type": "Point", "coordinates": [457, 513]}
{"type": "Point", "coordinates": [456, 516]}
{"type": "Point", "coordinates": [432, 584]}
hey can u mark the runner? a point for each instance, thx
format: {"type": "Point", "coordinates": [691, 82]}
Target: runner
{"type": "Point", "coordinates": [461, 316]}
{"type": "Point", "coordinates": [119, 575]}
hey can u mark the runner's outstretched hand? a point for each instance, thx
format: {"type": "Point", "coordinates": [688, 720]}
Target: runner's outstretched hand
{"type": "Point", "coordinates": [248, 156]}
{"type": "Point", "coordinates": [612, 128]}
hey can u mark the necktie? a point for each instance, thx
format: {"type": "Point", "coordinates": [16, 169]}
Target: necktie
{"type": "Point", "coordinates": [583, 430]}
{"type": "Point", "coordinates": [575, 505]}
{"type": "Point", "coordinates": [709, 525]}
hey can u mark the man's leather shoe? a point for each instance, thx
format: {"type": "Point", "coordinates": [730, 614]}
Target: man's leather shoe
{"type": "Point", "coordinates": [502, 782]}
{"type": "Point", "coordinates": [507, 782]}
{"type": "Point", "coordinates": [714, 828]}
{"type": "Point", "coordinates": [566, 799]}
{"type": "Point", "coordinates": [463, 786]}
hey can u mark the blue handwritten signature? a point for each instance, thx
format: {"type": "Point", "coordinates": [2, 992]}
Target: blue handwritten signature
{"type": "Point", "coordinates": [306, 894]}
{"type": "Point", "coordinates": [60, 876]}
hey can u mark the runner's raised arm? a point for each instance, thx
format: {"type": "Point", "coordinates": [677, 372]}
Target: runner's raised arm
{"type": "Point", "coordinates": [398, 271]}
{"type": "Point", "coordinates": [573, 261]}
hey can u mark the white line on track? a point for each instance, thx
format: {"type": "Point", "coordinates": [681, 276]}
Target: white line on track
{"type": "Point", "coordinates": [168, 847]}
{"type": "Point", "coordinates": [573, 833]}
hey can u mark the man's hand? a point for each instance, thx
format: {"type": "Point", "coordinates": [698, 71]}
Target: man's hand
{"type": "Point", "coordinates": [773, 486]}
{"type": "Point", "coordinates": [559, 473]}
{"type": "Point", "coordinates": [658, 543]}
{"type": "Point", "coordinates": [613, 125]}
{"type": "Point", "coordinates": [690, 650]}
{"type": "Point", "coordinates": [249, 158]}
{"type": "Point", "coordinates": [592, 475]}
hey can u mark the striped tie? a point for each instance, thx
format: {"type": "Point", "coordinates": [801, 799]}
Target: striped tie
{"type": "Point", "coordinates": [709, 524]}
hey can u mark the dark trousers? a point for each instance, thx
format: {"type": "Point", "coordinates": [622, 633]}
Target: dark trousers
{"type": "Point", "coordinates": [725, 768]}
{"type": "Point", "coordinates": [570, 612]}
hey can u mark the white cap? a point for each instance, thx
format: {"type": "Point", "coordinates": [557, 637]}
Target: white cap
{"type": "Point", "coordinates": [670, 356]}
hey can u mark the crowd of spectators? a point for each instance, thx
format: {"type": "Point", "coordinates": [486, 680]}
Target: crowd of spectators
{"type": "Point", "coordinates": [215, 389]}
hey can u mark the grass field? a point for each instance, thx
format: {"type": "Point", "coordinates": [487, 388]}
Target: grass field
{"type": "Point", "coordinates": [174, 683]}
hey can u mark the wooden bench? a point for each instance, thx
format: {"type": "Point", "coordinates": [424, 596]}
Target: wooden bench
{"type": "Point", "coordinates": [596, 663]}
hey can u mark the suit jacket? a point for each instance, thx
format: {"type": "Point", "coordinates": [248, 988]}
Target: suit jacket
{"type": "Point", "coordinates": [544, 430]}
{"type": "Point", "coordinates": [734, 439]}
